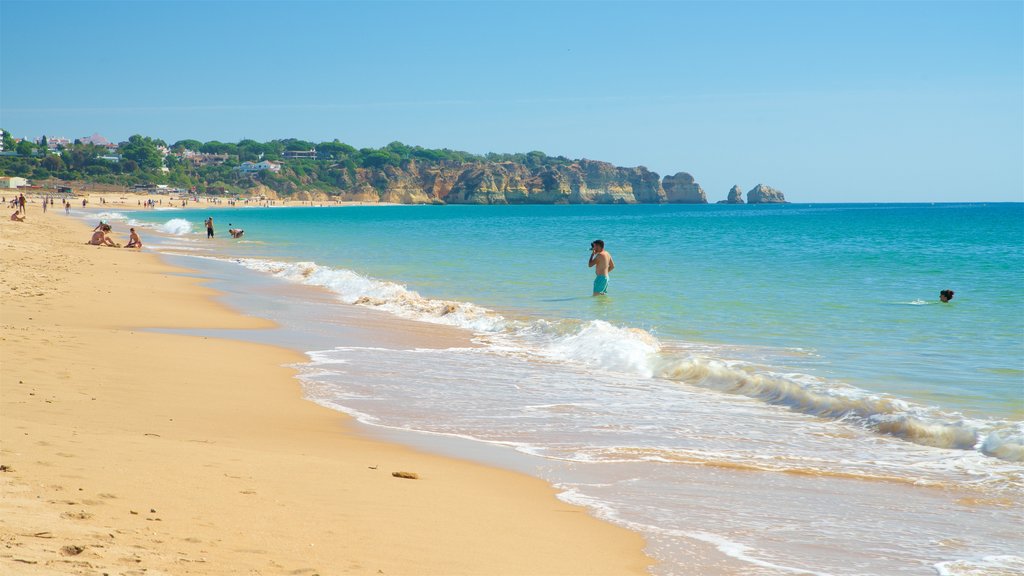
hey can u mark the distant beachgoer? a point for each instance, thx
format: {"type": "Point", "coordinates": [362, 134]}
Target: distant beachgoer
{"type": "Point", "coordinates": [67, 207]}
{"type": "Point", "coordinates": [602, 261]}
{"type": "Point", "coordinates": [45, 202]}
{"type": "Point", "coordinates": [236, 232]}
{"type": "Point", "coordinates": [209, 227]}
{"type": "Point", "coordinates": [100, 238]}
{"type": "Point", "coordinates": [945, 295]}
{"type": "Point", "coordinates": [83, 202]}
{"type": "Point", "coordinates": [133, 239]}
{"type": "Point", "coordinates": [17, 217]}
{"type": "Point", "coordinates": [21, 203]}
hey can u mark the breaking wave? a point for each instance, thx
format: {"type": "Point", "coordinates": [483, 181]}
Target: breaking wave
{"type": "Point", "coordinates": [176, 226]}
{"type": "Point", "coordinates": [601, 345]}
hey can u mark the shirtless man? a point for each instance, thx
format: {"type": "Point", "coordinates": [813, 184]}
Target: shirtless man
{"type": "Point", "coordinates": [602, 261]}
{"type": "Point", "coordinates": [236, 232]}
{"type": "Point", "coordinates": [209, 227]}
{"type": "Point", "coordinates": [133, 239]}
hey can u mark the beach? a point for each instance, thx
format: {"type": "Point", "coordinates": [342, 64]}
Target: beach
{"type": "Point", "coordinates": [127, 450]}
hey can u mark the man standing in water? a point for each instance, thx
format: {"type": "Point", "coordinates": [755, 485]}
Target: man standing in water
{"type": "Point", "coordinates": [209, 227]}
{"type": "Point", "coordinates": [602, 261]}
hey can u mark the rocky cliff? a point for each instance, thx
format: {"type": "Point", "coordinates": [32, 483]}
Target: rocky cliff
{"type": "Point", "coordinates": [482, 181]}
{"type": "Point", "coordinates": [682, 189]}
{"type": "Point", "coordinates": [580, 182]}
{"type": "Point", "coordinates": [763, 194]}
{"type": "Point", "coordinates": [735, 196]}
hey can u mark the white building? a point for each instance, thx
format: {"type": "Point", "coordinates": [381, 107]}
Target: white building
{"type": "Point", "coordinates": [53, 141]}
{"type": "Point", "coordinates": [253, 167]}
{"type": "Point", "coordinates": [12, 182]}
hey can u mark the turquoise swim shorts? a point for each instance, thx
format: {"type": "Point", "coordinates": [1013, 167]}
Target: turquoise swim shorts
{"type": "Point", "coordinates": [601, 285]}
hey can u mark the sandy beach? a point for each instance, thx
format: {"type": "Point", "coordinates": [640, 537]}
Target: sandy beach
{"type": "Point", "coordinates": [113, 199]}
{"type": "Point", "coordinates": [127, 451]}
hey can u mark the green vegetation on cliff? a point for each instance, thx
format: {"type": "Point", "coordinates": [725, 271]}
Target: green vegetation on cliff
{"type": "Point", "coordinates": [334, 170]}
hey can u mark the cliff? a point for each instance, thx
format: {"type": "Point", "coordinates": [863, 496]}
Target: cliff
{"type": "Point", "coordinates": [763, 194]}
{"type": "Point", "coordinates": [682, 189]}
{"type": "Point", "coordinates": [579, 182]}
{"type": "Point", "coordinates": [735, 196]}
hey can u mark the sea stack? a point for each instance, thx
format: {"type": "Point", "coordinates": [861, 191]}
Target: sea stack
{"type": "Point", "coordinates": [735, 196]}
{"type": "Point", "coordinates": [764, 194]}
{"type": "Point", "coordinates": [681, 189]}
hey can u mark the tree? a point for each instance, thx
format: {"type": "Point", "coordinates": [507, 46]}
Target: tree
{"type": "Point", "coordinates": [193, 145]}
{"type": "Point", "coordinates": [9, 143]}
{"type": "Point", "coordinates": [25, 148]}
{"type": "Point", "coordinates": [53, 163]}
{"type": "Point", "coordinates": [379, 159]}
{"type": "Point", "coordinates": [143, 151]}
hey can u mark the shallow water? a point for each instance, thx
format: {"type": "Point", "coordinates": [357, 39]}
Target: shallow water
{"type": "Point", "coordinates": [766, 379]}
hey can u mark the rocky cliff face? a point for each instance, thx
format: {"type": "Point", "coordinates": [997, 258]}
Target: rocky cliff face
{"type": "Point", "coordinates": [763, 194]}
{"type": "Point", "coordinates": [682, 189]}
{"type": "Point", "coordinates": [582, 182]}
{"type": "Point", "coordinates": [735, 196]}
{"type": "Point", "coordinates": [555, 181]}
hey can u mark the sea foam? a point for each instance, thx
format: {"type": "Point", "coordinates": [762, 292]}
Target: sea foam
{"type": "Point", "coordinates": [600, 345]}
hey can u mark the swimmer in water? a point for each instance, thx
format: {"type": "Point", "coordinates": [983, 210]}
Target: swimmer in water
{"type": "Point", "coordinates": [603, 264]}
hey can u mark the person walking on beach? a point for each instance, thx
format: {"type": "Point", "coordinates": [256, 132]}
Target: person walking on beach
{"type": "Point", "coordinates": [209, 227]}
{"type": "Point", "coordinates": [603, 264]}
{"type": "Point", "coordinates": [21, 203]}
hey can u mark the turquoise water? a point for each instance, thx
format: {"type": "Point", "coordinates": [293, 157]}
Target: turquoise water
{"type": "Point", "coordinates": [853, 287]}
{"type": "Point", "coordinates": [779, 383]}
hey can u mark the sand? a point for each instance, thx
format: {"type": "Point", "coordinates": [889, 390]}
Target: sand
{"type": "Point", "coordinates": [106, 200]}
{"type": "Point", "coordinates": [126, 451]}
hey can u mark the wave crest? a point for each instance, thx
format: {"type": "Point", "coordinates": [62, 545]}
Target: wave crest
{"type": "Point", "coordinates": [601, 345]}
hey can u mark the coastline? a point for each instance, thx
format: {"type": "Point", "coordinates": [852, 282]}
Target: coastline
{"type": "Point", "coordinates": [132, 449]}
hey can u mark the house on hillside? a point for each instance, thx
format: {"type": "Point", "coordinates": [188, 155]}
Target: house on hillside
{"type": "Point", "coordinates": [253, 167]}
{"type": "Point", "coordinates": [204, 159]}
{"type": "Point", "coordinates": [53, 142]}
{"type": "Point", "coordinates": [296, 154]}
{"type": "Point", "coordinates": [97, 140]}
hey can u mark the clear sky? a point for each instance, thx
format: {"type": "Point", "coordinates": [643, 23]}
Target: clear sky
{"type": "Point", "coordinates": [829, 101]}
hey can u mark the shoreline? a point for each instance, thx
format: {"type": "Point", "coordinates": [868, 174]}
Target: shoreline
{"type": "Point", "coordinates": [220, 465]}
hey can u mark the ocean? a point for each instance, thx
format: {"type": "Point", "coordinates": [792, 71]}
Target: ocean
{"type": "Point", "coordinates": [777, 382]}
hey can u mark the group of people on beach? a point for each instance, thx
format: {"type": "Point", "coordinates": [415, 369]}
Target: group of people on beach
{"type": "Point", "coordinates": [101, 237]}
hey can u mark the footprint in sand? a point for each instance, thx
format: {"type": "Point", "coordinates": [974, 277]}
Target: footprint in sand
{"type": "Point", "coordinates": [80, 515]}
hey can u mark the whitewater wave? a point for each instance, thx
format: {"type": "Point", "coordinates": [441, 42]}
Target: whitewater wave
{"type": "Point", "coordinates": [1005, 565]}
{"type": "Point", "coordinates": [600, 345]}
{"type": "Point", "coordinates": [176, 227]}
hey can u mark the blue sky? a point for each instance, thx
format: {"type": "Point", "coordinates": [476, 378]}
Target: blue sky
{"type": "Point", "coordinates": [829, 101]}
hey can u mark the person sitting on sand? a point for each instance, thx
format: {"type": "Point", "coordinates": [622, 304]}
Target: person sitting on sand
{"type": "Point", "coordinates": [100, 238]}
{"type": "Point", "coordinates": [945, 296]}
{"type": "Point", "coordinates": [17, 217]}
{"type": "Point", "coordinates": [133, 239]}
{"type": "Point", "coordinates": [236, 232]}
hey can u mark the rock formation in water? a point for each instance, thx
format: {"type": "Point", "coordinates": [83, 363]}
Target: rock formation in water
{"type": "Point", "coordinates": [764, 194]}
{"type": "Point", "coordinates": [735, 196]}
{"type": "Point", "coordinates": [682, 189]}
